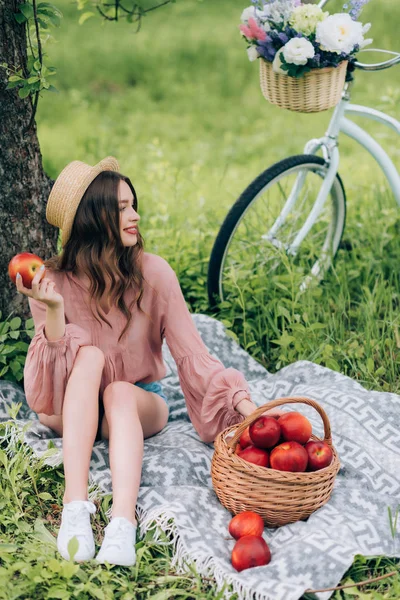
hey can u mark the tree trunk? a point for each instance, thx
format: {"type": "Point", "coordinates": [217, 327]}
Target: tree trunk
{"type": "Point", "coordinates": [24, 186]}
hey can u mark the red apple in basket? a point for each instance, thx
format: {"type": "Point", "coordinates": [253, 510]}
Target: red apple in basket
{"type": "Point", "coordinates": [265, 432]}
{"type": "Point", "coordinates": [246, 523]}
{"type": "Point", "coordinates": [289, 456]}
{"type": "Point", "coordinates": [295, 427]}
{"type": "Point", "coordinates": [320, 455]}
{"type": "Point", "coordinates": [250, 551]}
{"type": "Point", "coordinates": [238, 448]}
{"type": "Point", "coordinates": [255, 455]}
{"type": "Point", "coordinates": [245, 439]}
{"type": "Point", "coordinates": [27, 265]}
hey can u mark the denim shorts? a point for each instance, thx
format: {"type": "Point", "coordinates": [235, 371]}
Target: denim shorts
{"type": "Point", "coordinates": [153, 386]}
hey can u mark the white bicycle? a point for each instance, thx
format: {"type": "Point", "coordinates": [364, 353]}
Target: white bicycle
{"type": "Point", "coordinates": [291, 217]}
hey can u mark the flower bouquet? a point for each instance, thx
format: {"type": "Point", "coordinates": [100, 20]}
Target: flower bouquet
{"type": "Point", "coordinates": [304, 50]}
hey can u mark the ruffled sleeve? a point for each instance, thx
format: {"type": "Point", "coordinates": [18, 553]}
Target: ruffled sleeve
{"type": "Point", "coordinates": [48, 364]}
{"type": "Point", "coordinates": [211, 391]}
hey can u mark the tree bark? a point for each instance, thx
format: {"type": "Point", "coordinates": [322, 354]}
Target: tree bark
{"type": "Point", "coordinates": [24, 186]}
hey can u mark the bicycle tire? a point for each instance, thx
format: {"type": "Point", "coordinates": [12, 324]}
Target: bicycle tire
{"type": "Point", "coordinates": [248, 196]}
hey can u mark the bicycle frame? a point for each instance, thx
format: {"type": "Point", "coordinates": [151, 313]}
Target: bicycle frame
{"type": "Point", "coordinates": [329, 146]}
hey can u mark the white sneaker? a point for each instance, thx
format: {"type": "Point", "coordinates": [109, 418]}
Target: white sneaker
{"type": "Point", "coordinates": [118, 547]}
{"type": "Point", "coordinates": [75, 521]}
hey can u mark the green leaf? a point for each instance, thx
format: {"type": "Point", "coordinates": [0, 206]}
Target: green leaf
{"type": "Point", "coordinates": [54, 565]}
{"type": "Point", "coordinates": [55, 20]}
{"type": "Point", "coordinates": [8, 548]}
{"type": "Point", "coordinates": [15, 367]}
{"type": "Point", "coordinates": [13, 85]}
{"type": "Point", "coordinates": [58, 592]}
{"type": "Point", "coordinates": [314, 326]}
{"type": "Point", "coordinates": [26, 9]}
{"type": "Point", "coordinates": [15, 78]}
{"type": "Point", "coordinates": [168, 593]}
{"type": "Point", "coordinates": [20, 18]}
{"type": "Point", "coordinates": [45, 496]}
{"type": "Point", "coordinates": [53, 89]}
{"type": "Point", "coordinates": [50, 7]}
{"type": "Point", "coordinates": [33, 79]}
{"type": "Point", "coordinates": [69, 569]}
{"type": "Point", "coordinates": [43, 534]}
{"type": "Point", "coordinates": [42, 23]}
{"type": "Point", "coordinates": [285, 340]}
{"type": "Point", "coordinates": [15, 323]}
{"type": "Point", "coordinates": [24, 92]}
{"type": "Point", "coordinates": [73, 547]}
{"type": "Point", "coordinates": [283, 312]}
{"type": "Point", "coordinates": [85, 16]}
{"type": "Point", "coordinates": [14, 335]}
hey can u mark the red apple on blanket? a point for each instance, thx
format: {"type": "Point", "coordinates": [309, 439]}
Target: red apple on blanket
{"type": "Point", "coordinates": [246, 523]}
{"type": "Point", "coordinates": [265, 432]}
{"type": "Point", "coordinates": [255, 455]}
{"type": "Point", "coordinates": [250, 551]}
{"type": "Point", "coordinates": [289, 456]}
{"type": "Point", "coordinates": [320, 455]}
{"type": "Point", "coordinates": [295, 427]}
{"type": "Point", "coordinates": [245, 439]}
{"type": "Point", "coordinates": [27, 265]}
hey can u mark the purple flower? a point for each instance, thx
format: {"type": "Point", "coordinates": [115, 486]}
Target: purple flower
{"type": "Point", "coordinates": [283, 37]}
{"type": "Point", "coordinates": [266, 49]}
{"type": "Point", "coordinates": [354, 7]}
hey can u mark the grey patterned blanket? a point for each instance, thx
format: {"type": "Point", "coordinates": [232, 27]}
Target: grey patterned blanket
{"type": "Point", "coordinates": [177, 495]}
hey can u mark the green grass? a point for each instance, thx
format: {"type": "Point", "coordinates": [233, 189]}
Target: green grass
{"type": "Point", "coordinates": [180, 106]}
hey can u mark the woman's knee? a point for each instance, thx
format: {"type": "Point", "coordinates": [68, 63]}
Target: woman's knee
{"type": "Point", "coordinates": [119, 393]}
{"type": "Point", "coordinates": [89, 357]}
{"type": "Point", "coordinates": [52, 421]}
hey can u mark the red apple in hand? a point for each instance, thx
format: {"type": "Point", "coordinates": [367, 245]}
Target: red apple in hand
{"type": "Point", "coordinates": [245, 439]}
{"type": "Point", "coordinates": [295, 427]}
{"type": "Point", "coordinates": [255, 455]}
{"type": "Point", "coordinates": [27, 265]}
{"type": "Point", "coordinates": [246, 523]}
{"type": "Point", "coordinates": [250, 551]}
{"type": "Point", "coordinates": [320, 455]}
{"type": "Point", "coordinates": [289, 456]}
{"type": "Point", "coordinates": [265, 432]}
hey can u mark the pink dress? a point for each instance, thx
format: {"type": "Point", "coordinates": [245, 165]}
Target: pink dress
{"type": "Point", "coordinates": [211, 391]}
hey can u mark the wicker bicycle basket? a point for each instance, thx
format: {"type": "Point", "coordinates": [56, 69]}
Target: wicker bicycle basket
{"type": "Point", "coordinates": [279, 497]}
{"type": "Point", "coordinates": [315, 91]}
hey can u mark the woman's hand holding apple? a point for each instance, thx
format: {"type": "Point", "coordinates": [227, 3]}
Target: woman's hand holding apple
{"type": "Point", "coordinates": [43, 290]}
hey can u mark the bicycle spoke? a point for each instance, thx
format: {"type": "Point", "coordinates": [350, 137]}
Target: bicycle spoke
{"type": "Point", "coordinates": [284, 207]}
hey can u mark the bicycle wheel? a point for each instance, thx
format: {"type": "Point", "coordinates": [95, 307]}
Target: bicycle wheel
{"type": "Point", "coordinates": [256, 239]}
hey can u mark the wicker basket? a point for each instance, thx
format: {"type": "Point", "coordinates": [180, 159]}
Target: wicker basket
{"type": "Point", "coordinates": [279, 497]}
{"type": "Point", "coordinates": [315, 91]}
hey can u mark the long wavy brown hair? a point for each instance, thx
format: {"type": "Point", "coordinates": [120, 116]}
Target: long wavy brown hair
{"type": "Point", "coordinates": [95, 247]}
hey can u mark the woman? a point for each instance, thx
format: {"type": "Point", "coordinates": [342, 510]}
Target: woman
{"type": "Point", "coordinates": [101, 310]}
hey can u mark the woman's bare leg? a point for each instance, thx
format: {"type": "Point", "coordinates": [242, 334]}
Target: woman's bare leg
{"type": "Point", "coordinates": [131, 414]}
{"type": "Point", "coordinates": [78, 424]}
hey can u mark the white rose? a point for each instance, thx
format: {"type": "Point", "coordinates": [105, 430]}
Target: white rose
{"type": "Point", "coordinates": [248, 13]}
{"type": "Point", "coordinates": [298, 50]}
{"type": "Point", "coordinates": [366, 43]}
{"type": "Point", "coordinates": [339, 33]}
{"type": "Point", "coordinates": [252, 53]}
{"type": "Point", "coordinates": [277, 63]}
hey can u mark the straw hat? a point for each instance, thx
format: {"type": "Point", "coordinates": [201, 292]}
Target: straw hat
{"type": "Point", "coordinates": [68, 189]}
